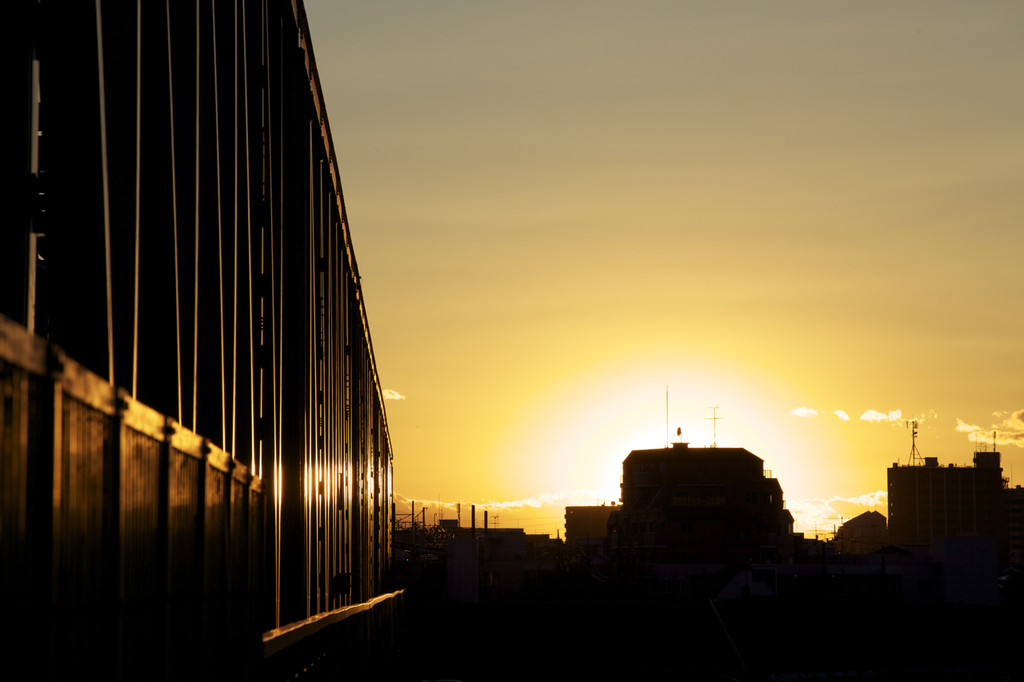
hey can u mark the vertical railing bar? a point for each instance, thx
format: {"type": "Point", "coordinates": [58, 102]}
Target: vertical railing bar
{"type": "Point", "coordinates": [311, 466]}
{"type": "Point", "coordinates": [257, 466]}
{"type": "Point", "coordinates": [195, 307]}
{"type": "Point", "coordinates": [268, 222]}
{"type": "Point", "coordinates": [312, 502]}
{"type": "Point", "coordinates": [234, 232]}
{"type": "Point", "coordinates": [33, 171]}
{"type": "Point", "coordinates": [307, 456]}
{"type": "Point", "coordinates": [174, 210]}
{"type": "Point", "coordinates": [220, 235]}
{"type": "Point", "coordinates": [279, 392]}
{"type": "Point", "coordinates": [323, 355]}
{"type": "Point", "coordinates": [106, 194]}
{"type": "Point", "coordinates": [138, 183]}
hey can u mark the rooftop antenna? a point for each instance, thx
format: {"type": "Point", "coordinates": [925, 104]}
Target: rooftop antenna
{"type": "Point", "coordinates": [666, 416]}
{"type": "Point", "coordinates": [915, 454]}
{"type": "Point", "coordinates": [714, 421]}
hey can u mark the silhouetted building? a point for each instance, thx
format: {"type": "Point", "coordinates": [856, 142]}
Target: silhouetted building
{"type": "Point", "coordinates": [952, 501]}
{"type": "Point", "coordinates": [708, 505]}
{"type": "Point", "coordinates": [587, 523]}
{"type": "Point", "coordinates": [969, 571]}
{"type": "Point", "coordinates": [1015, 525]}
{"type": "Point", "coordinates": [862, 534]}
{"type": "Point", "coordinates": [463, 570]}
{"type": "Point", "coordinates": [811, 550]}
{"type": "Point", "coordinates": [513, 562]}
{"type": "Point", "coordinates": [471, 564]}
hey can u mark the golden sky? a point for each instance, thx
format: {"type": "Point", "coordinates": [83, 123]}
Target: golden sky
{"type": "Point", "coordinates": [559, 208]}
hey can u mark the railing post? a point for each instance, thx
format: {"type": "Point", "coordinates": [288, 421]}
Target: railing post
{"type": "Point", "coordinates": [54, 400]}
{"type": "Point", "coordinates": [113, 595]}
{"type": "Point", "coordinates": [26, 467]}
{"type": "Point", "coordinates": [163, 534]}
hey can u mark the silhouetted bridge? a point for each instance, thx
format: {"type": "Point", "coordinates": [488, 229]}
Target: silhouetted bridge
{"type": "Point", "coordinates": [195, 461]}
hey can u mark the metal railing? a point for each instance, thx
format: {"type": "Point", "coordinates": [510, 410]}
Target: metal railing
{"type": "Point", "coordinates": [352, 642]}
{"type": "Point", "coordinates": [134, 538]}
{"type": "Point", "coordinates": [280, 639]}
{"type": "Point", "coordinates": [204, 259]}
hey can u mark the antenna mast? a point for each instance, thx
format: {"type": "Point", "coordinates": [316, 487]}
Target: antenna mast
{"type": "Point", "coordinates": [915, 454]}
{"type": "Point", "coordinates": [714, 421]}
{"type": "Point", "coordinates": [667, 439]}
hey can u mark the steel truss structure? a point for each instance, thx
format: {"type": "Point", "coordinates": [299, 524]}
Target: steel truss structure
{"type": "Point", "coordinates": [176, 225]}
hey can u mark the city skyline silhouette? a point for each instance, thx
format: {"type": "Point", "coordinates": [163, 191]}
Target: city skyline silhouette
{"type": "Point", "coordinates": [806, 215]}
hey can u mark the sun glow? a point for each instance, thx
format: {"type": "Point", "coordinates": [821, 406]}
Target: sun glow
{"type": "Point", "coordinates": [577, 432]}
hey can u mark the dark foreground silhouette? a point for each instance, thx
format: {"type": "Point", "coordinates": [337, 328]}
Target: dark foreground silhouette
{"type": "Point", "coordinates": [742, 639]}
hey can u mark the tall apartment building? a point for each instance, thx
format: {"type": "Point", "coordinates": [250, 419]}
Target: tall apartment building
{"type": "Point", "coordinates": [951, 501]}
{"type": "Point", "coordinates": [706, 505]}
{"type": "Point", "coordinates": [1014, 525]}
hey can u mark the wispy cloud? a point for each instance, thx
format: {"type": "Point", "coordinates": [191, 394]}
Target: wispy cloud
{"type": "Point", "coordinates": [874, 416]}
{"type": "Point", "coordinates": [540, 513]}
{"type": "Point", "coordinates": [842, 415]}
{"type": "Point", "coordinates": [805, 412]}
{"type": "Point", "coordinates": [1015, 421]}
{"type": "Point", "coordinates": [392, 395]}
{"type": "Point", "coordinates": [825, 514]}
{"type": "Point", "coordinates": [562, 498]}
{"type": "Point", "coordinates": [1010, 432]}
{"type": "Point", "coordinates": [964, 427]}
